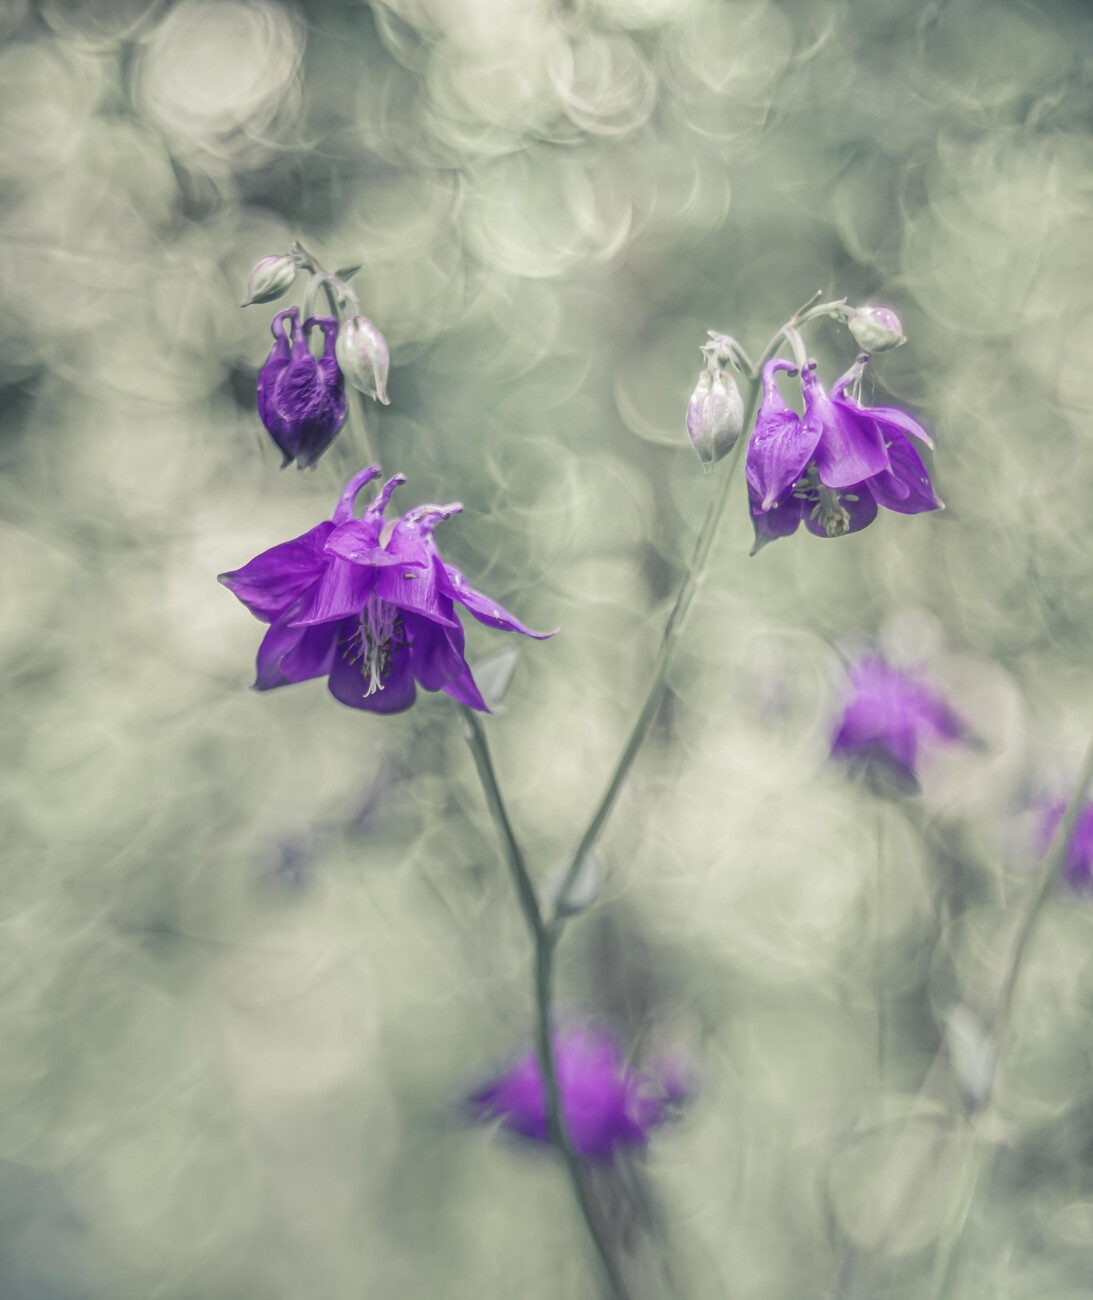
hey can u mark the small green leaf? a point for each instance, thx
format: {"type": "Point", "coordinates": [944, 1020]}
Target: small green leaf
{"type": "Point", "coordinates": [346, 273]}
{"type": "Point", "coordinates": [494, 675]}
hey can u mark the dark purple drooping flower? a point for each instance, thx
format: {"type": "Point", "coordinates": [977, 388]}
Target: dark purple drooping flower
{"type": "Point", "coordinates": [889, 717]}
{"type": "Point", "coordinates": [1078, 868]}
{"type": "Point", "coordinates": [301, 398]}
{"type": "Point", "coordinates": [832, 467]}
{"type": "Point", "coordinates": [369, 605]}
{"type": "Point", "coordinates": [605, 1103]}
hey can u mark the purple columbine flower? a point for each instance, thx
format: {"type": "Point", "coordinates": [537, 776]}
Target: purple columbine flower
{"type": "Point", "coordinates": [888, 717]}
{"type": "Point", "coordinates": [832, 467]}
{"type": "Point", "coordinates": [1078, 868]}
{"type": "Point", "coordinates": [605, 1103]}
{"type": "Point", "coordinates": [369, 605]}
{"type": "Point", "coordinates": [301, 399]}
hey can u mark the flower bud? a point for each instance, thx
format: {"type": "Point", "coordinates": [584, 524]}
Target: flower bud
{"type": "Point", "coordinates": [271, 277]}
{"type": "Point", "coordinates": [875, 329]}
{"type": "Point", "coordinates": [715, 415]}
{"type": "Point", "coordinates": [363, 357]}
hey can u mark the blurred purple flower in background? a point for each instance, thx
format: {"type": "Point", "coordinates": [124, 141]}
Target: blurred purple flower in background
{"type": "Point", "coordinates": [605, 1103]}
{"type": "Point", "coordinates": [368, 605]}
{"type": "Point", "coordinates": [1078, 868]}
{"type": "Point", "coordinates": [301, 398]}
{"type": "Point", "coordinates": [833, 467]}
{"type": "Point", "coordinates": [888, 717]}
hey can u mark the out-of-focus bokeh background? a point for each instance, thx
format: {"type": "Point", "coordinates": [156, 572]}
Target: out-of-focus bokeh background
{"type": "Point", "coordinates": [255, 949]}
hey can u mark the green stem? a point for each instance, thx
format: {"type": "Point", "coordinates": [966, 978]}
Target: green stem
{"type": "Point", "coordinates": [543, 941]}
{"type": "Point", "coordinates": [696, 573]}
{"type": "Point", "coordinates": [947, 1260]}
{"type": "Point", "coordinates": [1049, 876]}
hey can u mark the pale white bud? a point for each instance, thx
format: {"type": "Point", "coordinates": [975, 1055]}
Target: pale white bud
{"type": "Point", "coordinates": [875, 329]}
{"type": "Point", "coordinates": [715, 415]}
{"type": "Point", "coordinates": [363, 357]}
{"type": "Point", "coordinates": [271, 277]}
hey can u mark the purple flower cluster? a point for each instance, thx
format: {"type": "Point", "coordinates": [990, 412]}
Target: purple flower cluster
{"type": "Point", "coordinates": [831, 468]}
{"type": "Point", "coordinates": [369, 605]}
{"type": "Point", "coordinates": [605, 1104]}
{"type": "Point", "coordinates": [889, 717]}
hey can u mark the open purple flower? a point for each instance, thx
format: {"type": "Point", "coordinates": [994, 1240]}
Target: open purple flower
{"type": "Point", "coordinates": [369, 605]}
{"type": "Point", "coordinates": [605, 1103]}
{"type": "Point", "coordinates": [889, 717]}
{"type": "Point", "coordinates": [301, 398]}
{"type": "Point", "coordinates": [832, 467]}
{"type": "Point", "coordinates": [1078, 868]}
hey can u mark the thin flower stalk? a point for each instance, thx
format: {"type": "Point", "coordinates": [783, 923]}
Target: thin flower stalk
{"type": "Point", "coordinates": [693, 578]}
{"type": "Point", "coordinates": [543, 942]}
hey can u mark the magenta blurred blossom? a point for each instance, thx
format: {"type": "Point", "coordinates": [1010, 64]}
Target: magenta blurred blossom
{"type": "Point", "coordinates": [369, 605]}
{"type": "Point", "coordinates": [301, 398]}
{"type": "Point", "coordinates": [1078, 868]}
{"type": "Point", "coordinates": [891, 717]}
{"type": "Point", "coordinates": [833, 467]}
{"type": "Point", "coordinates": [606, 1104]}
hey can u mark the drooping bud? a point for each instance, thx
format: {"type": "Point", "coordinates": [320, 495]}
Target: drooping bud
{"type": "Point", "coordinates": [363, 357]}
{"type": "Point", "coordinates": [271, 277]}
{"type": "Point", "coordinates": [715, 415]}
{"type": "Point", "coordinates": [301, 398]}
{"type": "Point", "coordinates": [875, 329]}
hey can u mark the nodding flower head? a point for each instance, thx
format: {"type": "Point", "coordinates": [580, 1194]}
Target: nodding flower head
{"type": "Point", "coordinates": [891, 718]}
{"type": "Point", "coordinates": [832, 467]}
{"type": "Point", "coordinates": [605, 1103]}
{"type": "Point", "coordinates": [363, 357]}
{"type": "Point", "coordinates": [301, 398]}
{"type": "Point", "coordinates": [367, 604]}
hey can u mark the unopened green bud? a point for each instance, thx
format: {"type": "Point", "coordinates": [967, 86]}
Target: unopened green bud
{"type": "Point", "coordinates": [362, 357]}
{"type": "Point", "coordinates": [271, 277]}
{"type": "Point", "coordinates": [875, 329]}
{"type": "Point", "coordinates": [715, 415]}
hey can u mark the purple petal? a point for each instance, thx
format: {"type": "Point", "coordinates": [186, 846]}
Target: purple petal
{"type": "Point", "coordinates": [772, 397]}
{"type": "Point", "coordinates": [348, 685]}
{"type": "Point", "coordinates": [906, 486]}
{"type": "Point", "coordinates": [343, 511]}
{"type": "Point", "coordinates": [358, 543]}
{"type": "Point", "coordinates": [782, 520]}
{"type": "Point", "coordinates": [850, 448]}
{"type": "Point", "coordinates": [378, 504]}
{"type": "Point", "coordinates": [781, 446]}
{"type": "Point", "coordinates": [482, 608]}
{"type": "Point", "coordinates": [416, 587]}
{"type": "Point", "coordinates": [436, 651]}
{"type": "Point", "coordinates": [892, 421]}
{"type": "Point", "coordinates": [290, 654]}
{"type": "Point", "coordinates": [278, 577]}
{"type": "Point", "coordinates": [605, 1103]}
{"type": "Point", "coordinates": [340, 593]}
{"type": "Point", "coordinates": [465, 689]}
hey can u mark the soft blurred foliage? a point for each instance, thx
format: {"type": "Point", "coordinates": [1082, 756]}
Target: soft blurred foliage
{"type": "Point", "coordinates": [256, 948]}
